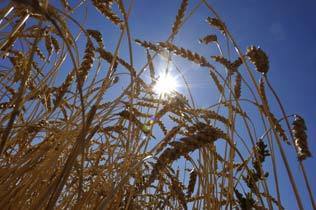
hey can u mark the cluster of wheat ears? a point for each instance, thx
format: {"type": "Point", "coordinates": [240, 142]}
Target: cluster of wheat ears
{"type": "Point", "coordinates": [64, 146]}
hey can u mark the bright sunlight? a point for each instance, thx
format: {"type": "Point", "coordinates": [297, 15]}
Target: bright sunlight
{"type": "Point", "coordinates": [166, 84]}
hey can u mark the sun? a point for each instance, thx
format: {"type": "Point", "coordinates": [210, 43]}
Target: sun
{"type": "Point", "coordinates": [165, 85]}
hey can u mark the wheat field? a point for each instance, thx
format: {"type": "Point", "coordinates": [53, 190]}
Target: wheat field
{"type": "Point", "coordinates": [84, 127]}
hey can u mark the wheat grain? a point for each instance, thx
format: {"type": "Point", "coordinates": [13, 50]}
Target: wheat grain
{"type": "Point", "coordinates": [259, 58]}
{"type": "Point", "coordinates": [208, 39]}
{"type": "Point", "coordinates": [179, 18]}
{"type": "Point", "coordinates": [300, 138]}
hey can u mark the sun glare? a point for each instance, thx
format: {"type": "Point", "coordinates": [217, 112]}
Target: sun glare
{"type": "Point", "coordinates": [166, 84]}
